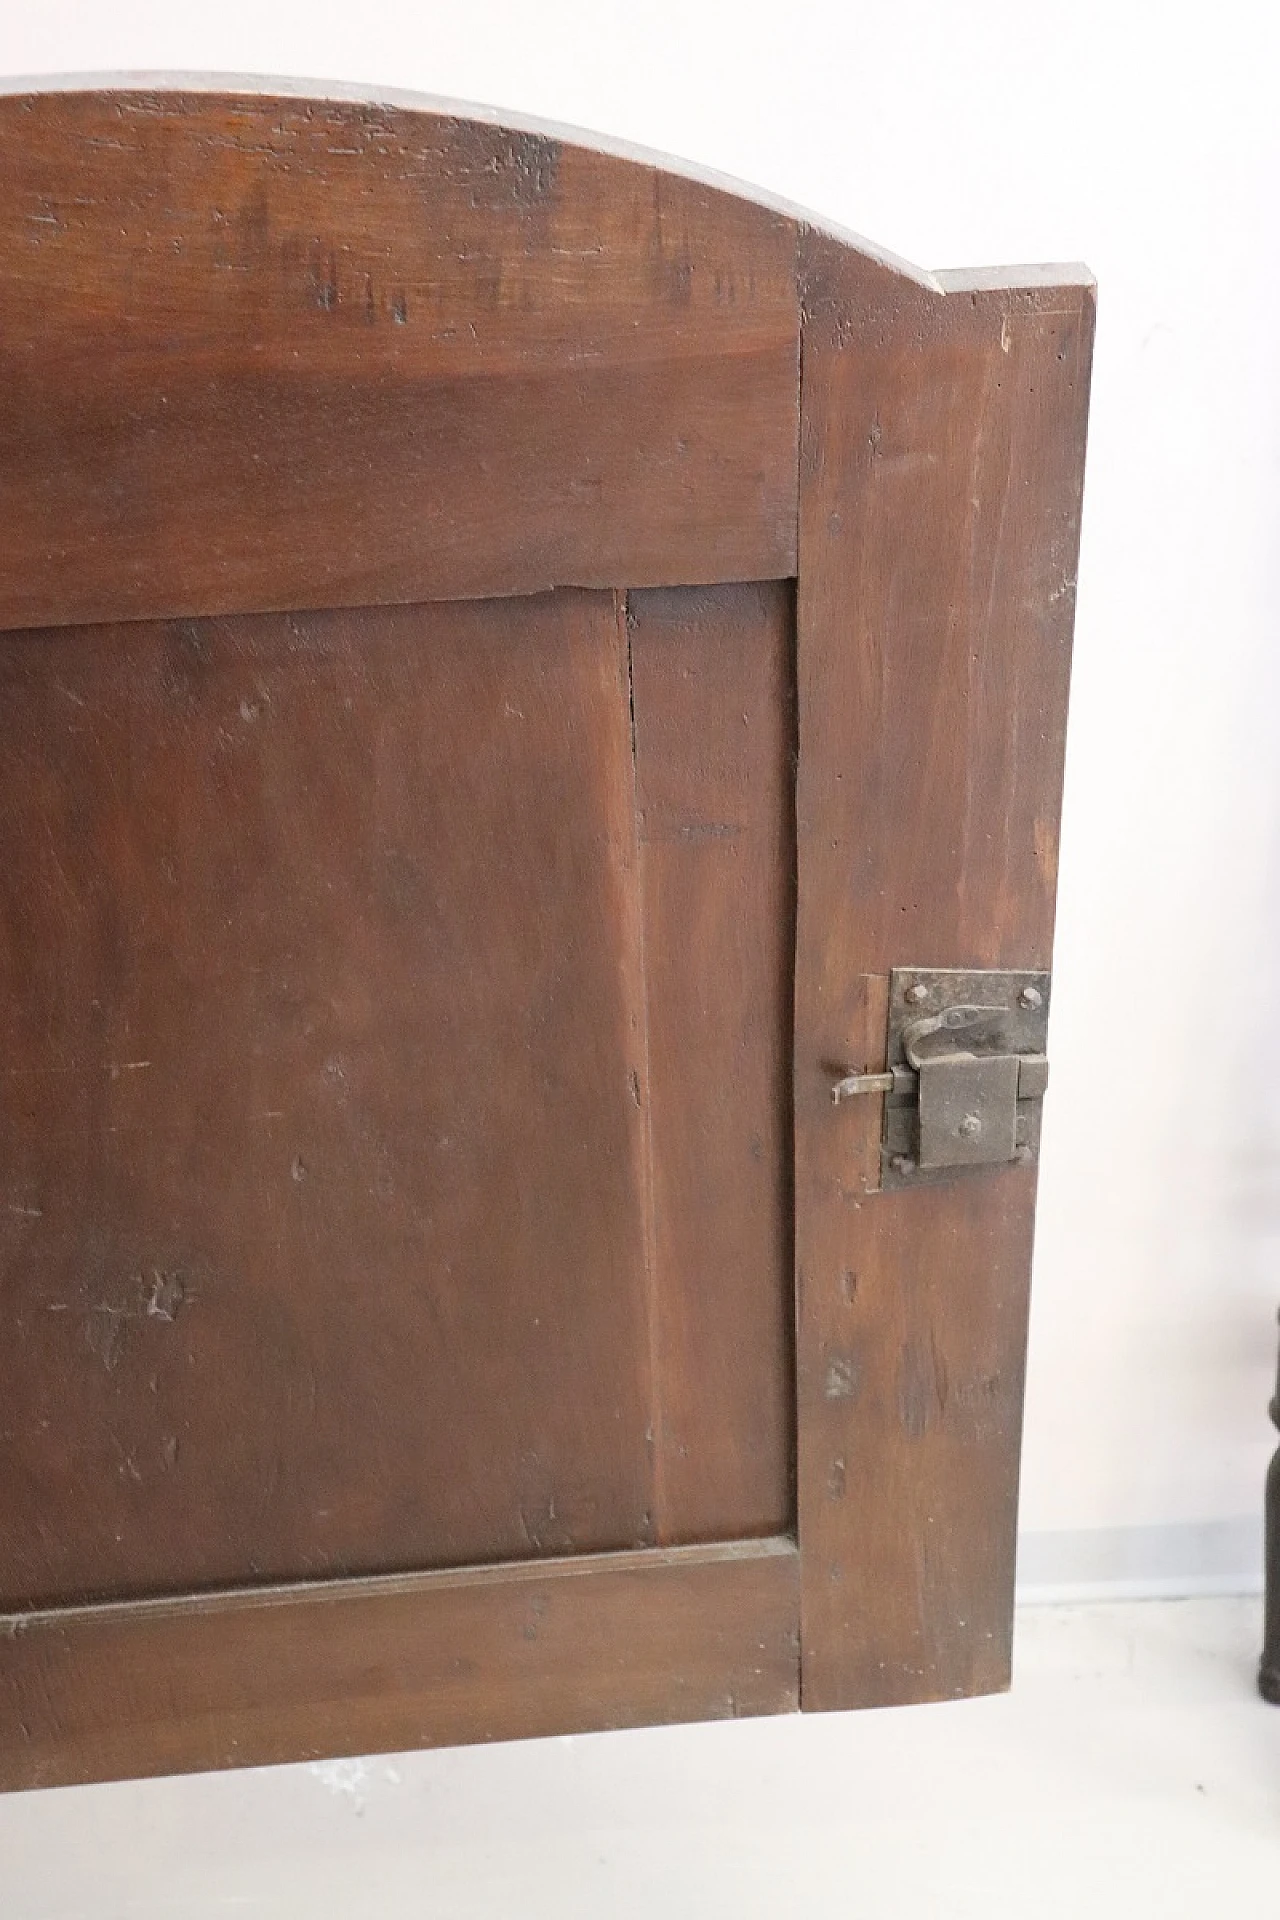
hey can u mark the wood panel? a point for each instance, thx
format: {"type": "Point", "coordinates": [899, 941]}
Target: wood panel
{"type": "Point", "coordinates": [712, 677]}
{"type": "Point", "coordinates": [942, 455]}
{"type": "Point", "coordinates": [262, 353]}
{"type": "Point", "coordinates": [397, 1136]}
{"type": "Point", "coordinates": [393, 1148]}
{"type": "Point", "coordinates": [368, 1666]}
{"type": "Point", "coordinates": [322, 1242]}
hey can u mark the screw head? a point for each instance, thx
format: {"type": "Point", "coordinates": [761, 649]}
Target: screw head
{"type": "Point", "coordinates": [1022, 1155]}
{"type": "Point", "coordinates": [916, 993]}
{"type": "Point", "coordinates": [903, 1163]}
{"type": "Point", "coordinates": [1031, 997]}
{"type": "Point", "coordinates": [970, 1126]}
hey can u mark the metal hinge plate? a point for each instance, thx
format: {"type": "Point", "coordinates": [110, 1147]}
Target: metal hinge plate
{"type": "Point", "coordinates": [965, 1072]}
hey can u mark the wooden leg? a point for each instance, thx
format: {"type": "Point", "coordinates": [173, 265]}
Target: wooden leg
{"type": "Point", "coordinates": [1269, 1672]}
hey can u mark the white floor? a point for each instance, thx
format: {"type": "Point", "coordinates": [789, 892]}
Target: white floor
{"type": "Point", "coordinates": [1132, 1771]}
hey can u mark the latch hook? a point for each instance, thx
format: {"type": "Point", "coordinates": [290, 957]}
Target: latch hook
{"type": "Point", "coordinates": [965, 1075]}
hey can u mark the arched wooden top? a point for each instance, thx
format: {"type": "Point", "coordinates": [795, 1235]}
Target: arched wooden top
{"type": "Point", "coordinates": [260, 350]}
{"type": "Point", "coordinates": [267, 351]}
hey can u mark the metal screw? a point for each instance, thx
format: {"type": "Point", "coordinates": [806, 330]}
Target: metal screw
{"type": "Point", "coordinates": [1031, 997]}
{"type": "Point", "coordinates": [1022, 1155]}
{"type": "Point", "coordinates": [903, 1163]}
{"type": "Point", "coordinates": [970, 1126]}
{"type": "Point", "coordinates": [916, 993]}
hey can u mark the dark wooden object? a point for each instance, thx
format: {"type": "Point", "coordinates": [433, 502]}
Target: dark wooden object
{"type": "Point", "coordinates": [503, 648]}
{"type": "Point", "coordinates": [419, 1660]}
{"type": "Point", "coordinates": [1269, 1671]}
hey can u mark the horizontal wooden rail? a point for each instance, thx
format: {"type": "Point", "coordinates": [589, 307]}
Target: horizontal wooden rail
{"type": "Point", "coordinates": [252, 1677]}
{"type": "Point", "coordinates": [259, 353]}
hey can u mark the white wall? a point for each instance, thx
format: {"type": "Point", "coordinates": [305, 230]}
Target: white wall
{"type": "Point", "coordinates": [1145, 139]}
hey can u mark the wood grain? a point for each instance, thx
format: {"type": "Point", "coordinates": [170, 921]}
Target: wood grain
{"type": "Point", "coordinates": [942, 456]}
{"type": "Point", "coordinates": [320, 970]}
{"type": "Point", "coordinates": [395, 958]}
{"type": "Point", "coordinates": [368, 1666]}
{"type": "Point", "coordinates": [713, 700]}
{"type": "Point", "coordinates": [396, 1163]}
{"type": "Point", "coordinates": [264, 353]}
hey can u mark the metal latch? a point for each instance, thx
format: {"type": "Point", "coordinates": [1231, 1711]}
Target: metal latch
{"type": "Point", "coordinates": [966, 1072]}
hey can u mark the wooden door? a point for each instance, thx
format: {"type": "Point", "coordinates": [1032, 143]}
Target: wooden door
{"type": "Point", "coordinates": [503, 649]}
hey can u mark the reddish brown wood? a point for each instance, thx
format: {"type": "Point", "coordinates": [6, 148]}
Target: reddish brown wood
{"type": "Point", "coordinates": [428, 1660]}
{"type": "Point", "coordinates": [273, 353]}
{"type": "Point", "coordinates": [322, 951]}
{"type": "Point", "coordinates": [395, 999]}
{"type": "Point", "coordinates": [712, 686]}
{"type": "Point", "coordinates": [943, 444]}
{"type": "Point", "coordinates": [320, 963]}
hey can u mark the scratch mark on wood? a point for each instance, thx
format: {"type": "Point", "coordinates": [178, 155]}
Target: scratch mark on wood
{"type": "Point", "coordinates": [167, 1295]}
{"type": "Point", "coordinates": [842, 1377]}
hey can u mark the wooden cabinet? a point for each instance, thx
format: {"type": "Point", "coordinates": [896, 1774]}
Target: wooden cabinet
{"type": "Point", "coordinates": [505, 648]}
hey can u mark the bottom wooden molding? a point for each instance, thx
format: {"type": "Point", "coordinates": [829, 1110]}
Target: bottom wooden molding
{"type": "Point", "coordinates": [258, 1676]}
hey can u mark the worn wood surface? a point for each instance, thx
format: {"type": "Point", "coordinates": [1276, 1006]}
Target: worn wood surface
{"type": "Point", "coordinates": [368, 1666]}
{"type": "Point", "coordinates": [397, 979]}
{"type": "Point", "coordinates": [942, 456]}
{"type": "Point", "coordinates": [712, 680]}
{"type": "Point", "coordinates": [270, 353]}
{"type": "Point", "coordinates": [322, 1167]}
{"type": "Point", "coordinates": [332, 982]}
